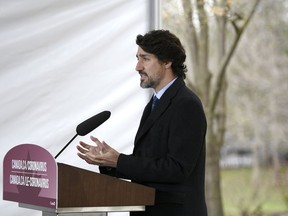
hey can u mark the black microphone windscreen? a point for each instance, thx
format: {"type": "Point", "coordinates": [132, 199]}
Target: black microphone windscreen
{"type": "Point", "coordinates": [90, 124]}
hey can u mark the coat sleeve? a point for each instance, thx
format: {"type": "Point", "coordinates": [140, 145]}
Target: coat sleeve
{"type": "Point", "coordinates": [185, 147]}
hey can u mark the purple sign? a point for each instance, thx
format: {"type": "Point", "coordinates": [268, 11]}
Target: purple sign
{"type": "Point", "coordinates": [30, 176]}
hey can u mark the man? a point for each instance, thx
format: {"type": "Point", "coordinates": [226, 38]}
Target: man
{"type": "Point", "coordinates": [169, 148]}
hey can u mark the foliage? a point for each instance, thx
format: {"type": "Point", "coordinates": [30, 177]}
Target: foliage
{"type": "Point", "coordinates": [241, 198]}
{"type": "Point", "coordinates": [240, 77]}
{"type": "Point", "coordinates": [203, 27]}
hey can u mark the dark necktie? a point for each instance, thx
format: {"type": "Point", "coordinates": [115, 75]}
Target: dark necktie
{"type": "Point", "coordinates": [154, 102]}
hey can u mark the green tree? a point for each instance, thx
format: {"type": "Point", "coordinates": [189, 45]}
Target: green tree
{"type": "Point", "coordinates": [259, 78]}
{"type": "Point", "coordinates": [205, 27]}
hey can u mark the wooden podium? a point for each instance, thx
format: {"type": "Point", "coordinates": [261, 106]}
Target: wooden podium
{"type": "Point", "coordinates": [83, 192]}
{"type": "Point", "coordinates": [32, 178]}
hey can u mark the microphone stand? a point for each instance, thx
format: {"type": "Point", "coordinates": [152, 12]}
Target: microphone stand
{"type": "Point", "coordinates": [65, 146]}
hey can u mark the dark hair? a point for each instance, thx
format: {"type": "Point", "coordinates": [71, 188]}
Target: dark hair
{"type": "Point", "coordinates": [166, 47]}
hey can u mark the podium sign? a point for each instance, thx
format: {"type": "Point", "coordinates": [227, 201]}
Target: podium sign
{"type": "Point", "coordinates": [30, 176]}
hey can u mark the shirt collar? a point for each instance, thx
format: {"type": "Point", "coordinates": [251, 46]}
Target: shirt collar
{"type": "Point", "coordinates": [161, 92]}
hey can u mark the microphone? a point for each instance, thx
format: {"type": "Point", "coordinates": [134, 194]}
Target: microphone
{"type": "Point", "coordinates": [87, 126]}
{"type": "Point", "coordinates": [90, 124]}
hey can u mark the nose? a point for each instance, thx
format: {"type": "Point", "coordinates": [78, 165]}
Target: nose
{"type": "Point", "coordinates": [139, 66]}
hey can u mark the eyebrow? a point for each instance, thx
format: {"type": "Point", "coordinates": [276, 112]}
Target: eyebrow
{"type": "Point", "coordinates": [142, 55]}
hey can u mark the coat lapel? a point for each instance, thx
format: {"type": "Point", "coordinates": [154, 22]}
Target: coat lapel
{"type": "Point", "coordinates": [148, 117]}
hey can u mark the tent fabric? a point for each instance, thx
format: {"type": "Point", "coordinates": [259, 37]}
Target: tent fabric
{"type": "Point", "coordinates": [63, 62]}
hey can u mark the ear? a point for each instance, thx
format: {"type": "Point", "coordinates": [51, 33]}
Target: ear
{"type": "Point", "coordinates": [168, 64]}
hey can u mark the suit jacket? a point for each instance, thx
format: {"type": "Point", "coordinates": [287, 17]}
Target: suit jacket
{"type": "Point", "coordinates": [169, 152]}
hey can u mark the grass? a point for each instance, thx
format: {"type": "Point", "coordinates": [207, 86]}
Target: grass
{"type": "Point", "coordinates": [264, 198]}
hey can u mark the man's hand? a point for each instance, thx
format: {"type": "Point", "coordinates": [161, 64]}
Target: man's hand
{"type": "Point", "coordinates": [101, 154]}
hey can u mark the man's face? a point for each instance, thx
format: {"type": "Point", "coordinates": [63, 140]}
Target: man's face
{"type": "Point", "coordinates": [150, 69]}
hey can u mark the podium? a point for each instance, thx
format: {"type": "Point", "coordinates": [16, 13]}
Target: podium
{"type": "Point", "coordinates": [59, 189]}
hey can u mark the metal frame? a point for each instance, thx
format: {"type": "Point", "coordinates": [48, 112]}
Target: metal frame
{"type": "Point", "coordinates": [85, 211]}
{"type": "Point", "coordinates": [154, 14]}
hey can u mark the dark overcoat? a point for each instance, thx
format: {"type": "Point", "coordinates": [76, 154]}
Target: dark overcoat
{"type": "Point", "coordinates": [169, 154]}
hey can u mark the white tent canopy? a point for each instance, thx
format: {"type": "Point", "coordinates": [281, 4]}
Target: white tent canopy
{"type": "Point", "coordinates": [63, 62]}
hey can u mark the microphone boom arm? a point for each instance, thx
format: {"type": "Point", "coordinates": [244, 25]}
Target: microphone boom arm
{"type": "Point", "coordinates": [65, 146]}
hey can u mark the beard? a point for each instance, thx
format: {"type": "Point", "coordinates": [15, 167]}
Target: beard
{"type": "Point", "coordinates": [148, 81]}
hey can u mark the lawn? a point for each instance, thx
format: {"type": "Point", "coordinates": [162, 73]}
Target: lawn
{"type": "Point", "coordinates": [265, 198]}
